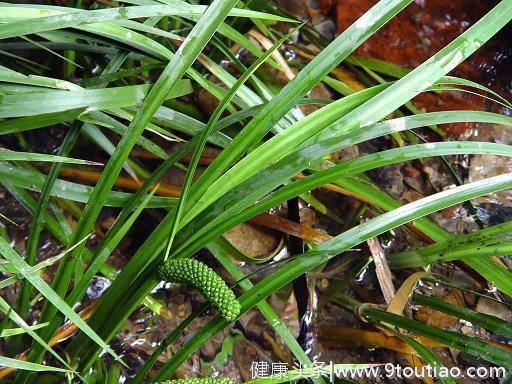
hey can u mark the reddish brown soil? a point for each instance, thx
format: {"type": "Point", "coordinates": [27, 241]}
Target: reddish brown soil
{"type": "Point", "coordinates": [422, 29]}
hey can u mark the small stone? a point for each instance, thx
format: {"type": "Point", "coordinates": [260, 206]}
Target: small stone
{"type": "Point", "coordinates": [493, 308]}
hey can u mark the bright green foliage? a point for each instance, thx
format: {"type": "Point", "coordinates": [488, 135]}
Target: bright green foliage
{"type": "Point", "coordinates": [206, 380]}
{"type": "Point", "coordinates": [205, 279]}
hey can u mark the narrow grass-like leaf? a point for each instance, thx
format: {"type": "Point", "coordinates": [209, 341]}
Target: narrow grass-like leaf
{"type": "Point", "coordinates": [18, 331]}
{"type": "Point", "coordinates": [38, 121]}
{"type": "Point", "coordinates": [37, 222]}
{"type": "Point", "coordinates": [172, 119]}
{"type": "Point", "coordinates": [51, 18]}
{"type": "Point", "coordinates": [28, 366]}
{"type": "Point", "coordinates": [34, 279]}
{"type": "Point", "coordinates": [28, 156]}
{"type": "Point", "coordinates": [68, 190]}
{"type": "Point", "coordinates": [491, 323]}
{"type": "Point", "coordinates": [43, 264]}
{"type": "Point", "coordinates": [395, 70]}
{"type": "Point", "coordinates": [59, 101]}
{"type": "Point", "coordinates": [106, 249]}
{"type": "Point", "coordinates": [219, 110]}
{"type": "Point", "coordinates": [426, 354]}
{"type": "Point", "coordinates": [360, 118]}
{"type": "Point", "coordinates": [306, 79]}
{"type": "Point", "coordinates": [471, 345]}
{"type": "Point", "coordinates": [492, 241]}
{"type": "Point", "coordinates": [10, 76]}
{"type": "Point", "coordinates": [336, 245]}
{"type": "Point", "coordinates": [493, 272]}
{"type": "Point", "coordinates": [266, 310]}
{"type": "Point", "coordinates": [18, 320]}
{"type": "Point", "coordinates": [173, 72]}
{"type": "Point", "coordinates": [96, 136]}
{"type": "Point", "coordinates": [223, 220]}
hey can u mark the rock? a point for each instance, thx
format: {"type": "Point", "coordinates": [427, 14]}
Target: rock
{"type": "Point", "coordinates": [97, 287]}
{"type": "Point", "coordinates": [492, 214]}
{"type": "Point", "coordinates": [484, 166]}
{"type": "Point", "coordinates": [252, 239]}
{"type": "Point", "coordinates": [493, 308]}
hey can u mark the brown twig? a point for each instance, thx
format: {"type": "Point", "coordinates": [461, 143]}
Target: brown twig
{"type": "Point", "coordinates": [270, 221]}
{"type": "Point", "coordinates": [342, 337]}
{"type": "Point", "coordinates": [282, 224]}
{"type": "Point", "coordinates": [143, 154]}
{"type": "Point", "coordinates": [164, 189]}
{"type": "Point", "coordinates": [267, 44]}
{"type": "Point", "coordinates": [275, 222]}
{"type": "Point", "coordinates": [339, 73]}
{"type": "Point", "coordinates": [382, 269]}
